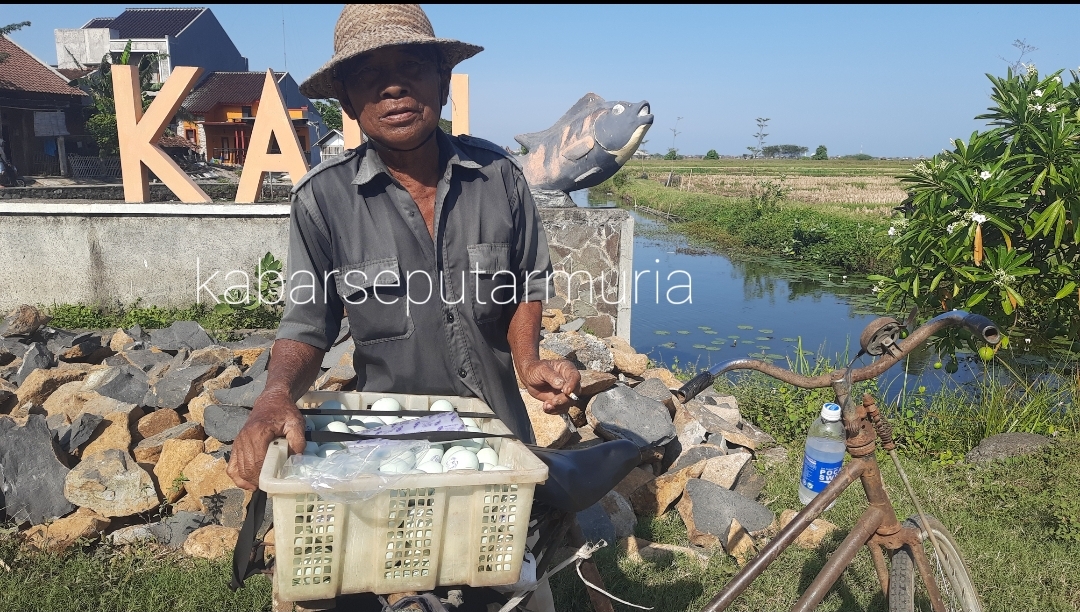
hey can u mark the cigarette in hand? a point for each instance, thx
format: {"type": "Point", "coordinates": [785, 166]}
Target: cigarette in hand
{"type": "Point", "coordinates": [573, 396]}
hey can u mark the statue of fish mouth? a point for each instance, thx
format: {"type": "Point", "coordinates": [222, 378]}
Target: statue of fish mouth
{"type": "Point", "coordinates": [586, 146]}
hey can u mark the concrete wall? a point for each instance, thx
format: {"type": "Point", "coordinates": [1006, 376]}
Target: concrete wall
{"type": "Point", "coordinates": [76, 48]}
{"type": "Point", "coordinates": [161, 254]}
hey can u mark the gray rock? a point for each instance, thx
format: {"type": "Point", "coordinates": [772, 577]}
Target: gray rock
{"type": "Point", "coordinates": [80, 431]}
{"type": "Point", "coordinates": [181, 334]}
{"type": "Point", "coordinates": [256, 369]}
{"type": "Point", "coordinates": [559, 344]}
{"type": "Point", "coordinates": [223, 453]}
{"type": "Point", "coordinates": [10, 350]}
{"type": "Point", "coordinates": [149, 449]}
{"type": "Point", "coordinates": [226, 508]}
{"type": "Point", "coordinates": [620, 512]}
{"type": "Point", "coordinates": [589, 351]}
{"type": "Point", "coordinates": [31, 472]}
{"type": "Point", "coordinates": [619, 412]}
{"type": "Point", "coordinates": [715, 506]}
{"type": "Point", "coordinates": [127, 384]}
{"type": "Point", "coordinates": [137, 334]}
{"type": "Point", "coordinates": [115, 361]}
{"type": "Point", "coordinates": [180, 385]}
{"type": "Point", "coordinates": [143, 359]}
{"type": "Point", "coordinates": [133, 534]}
{"type": "Point", "coordinates": [552, 198]}
{"type": "Point", "coordinates": [596, 525]}
{"type": "Point", "coordinates": [654, 388]}
{"type": "Point", "coordinates": [572, 326]}
{"type": "Point", "coordinates": [244, 395]}
{"type": "Point", "coordinates": [37, 356]}
{"type": "Point", "coordinates": [224, 422]}
{"type": "Point", "coordinates": [57, 421]}
{"type": "Point", "coordinates": [71, 346]}
{"type": "Point", "coordinates": [582, 308]}
{"type": "Point", "coordinates": [750, 483]}
{"type": "Point", "coordinates": [1002, 446]}
{"type": "Point", "coordinates": [693, 454]}
{"type": "Point", "coordinates": [333, 356]}
{"type": "Point", "coordinates": [172, 531]}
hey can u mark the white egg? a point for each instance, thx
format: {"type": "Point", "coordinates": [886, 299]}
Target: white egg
{"type": "Point", "coordinates": [406, 456]}
{"type": "Point", "coordinates": [430, 467]}
{"type": "Point", "coordinates": [461, 461]}
{"type": "Point", "coordinates": [311, 448]}
{"type": "Point", "coordinates": [469, 422]}
{"type": "Point", "coordinates": [486, 455]}
{"type": "Point", "coordinates": [388, 404]}
{"type": "Point", "coordinates": [309, 425]}
{"type": "Point", "coordinates": [320, 421]}
{"type": "Point", "coordinates": [453, 450]}
{"type": "Point", "coordinates": [395, 467]}
{"type": "Point", "coordinates": [432, 454]}
{"type": "Point", "coordinates": [357, 427]}
{"type": "Point", "coordinates": [325, 450]}
{"type": "Point", "coordinates": [441, 406]}
{"type": "Point", "coordinates": [371, 422]}
{"type": "Point", "coordinates": [390, 420]}
{"type": "Point", "coordinates": [337, 426]}
{"type": "Point", "coordinates": [331, 405]}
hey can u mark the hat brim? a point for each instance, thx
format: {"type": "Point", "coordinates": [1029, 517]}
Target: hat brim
{"type": "Point", "coordinates": [320, 84]}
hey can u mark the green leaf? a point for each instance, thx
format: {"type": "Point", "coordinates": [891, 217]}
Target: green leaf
{"type": "Point", "coordinates": [937, 279]}
{"type": "Point", "coordinates": [978, 297]}
{"type": "Point", "coordinates": [1067, 290]}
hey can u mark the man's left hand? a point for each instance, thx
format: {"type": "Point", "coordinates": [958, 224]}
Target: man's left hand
{"type": "Point", "coordinates": [551, 381]}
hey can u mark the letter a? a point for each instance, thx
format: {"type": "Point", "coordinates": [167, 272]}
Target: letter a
{"type": "Point", "coordinates": [272, 118]}
{"type": "Point", "coordinates": [138, 132]}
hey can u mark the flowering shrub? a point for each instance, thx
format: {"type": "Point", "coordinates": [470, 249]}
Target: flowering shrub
{"type": "Point", "coordinates": [993, 226]}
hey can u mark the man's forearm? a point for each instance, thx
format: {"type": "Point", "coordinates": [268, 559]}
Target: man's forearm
{"type": "Point", "coordinates": [293, 369]}
{"type": "Point", "coordinates": [523, 336]}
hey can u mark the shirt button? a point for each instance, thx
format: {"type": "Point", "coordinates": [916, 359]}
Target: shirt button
{"type": "Point", "coordinates": [450, 317]}
{"type": "Point", "coordinates": [462, 373]}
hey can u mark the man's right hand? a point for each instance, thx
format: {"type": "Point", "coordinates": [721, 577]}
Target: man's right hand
{"type": "Point", "coordinates": [274, 416]}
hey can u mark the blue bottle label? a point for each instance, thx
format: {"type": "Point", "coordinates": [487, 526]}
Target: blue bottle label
{"type": "Point", "coordinates": [816, 475]}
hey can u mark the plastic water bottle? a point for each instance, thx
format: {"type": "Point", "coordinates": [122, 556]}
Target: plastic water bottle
{"type": "Point", "coordinates": [824, 453]}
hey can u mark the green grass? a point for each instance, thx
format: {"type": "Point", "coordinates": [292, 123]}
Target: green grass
{"type": "Point", "coordinates": [85, 316]}
{"type": "Point", "coordinates": [1001, 516]}
{"type": "Point", "coordinates": [833, 236]}
{"type": "Point", "coordinates": [106, 579]}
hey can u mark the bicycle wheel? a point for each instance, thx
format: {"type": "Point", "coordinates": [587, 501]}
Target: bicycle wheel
{"type": "Point", "coordinates": [957, 589]}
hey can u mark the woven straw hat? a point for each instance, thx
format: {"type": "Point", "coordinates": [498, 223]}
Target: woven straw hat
{"type": "Point", "coordinates": [365, 27]}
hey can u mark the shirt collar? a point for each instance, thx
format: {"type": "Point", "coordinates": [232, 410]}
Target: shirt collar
{"type": "Point", "coordinates": [371, 165]}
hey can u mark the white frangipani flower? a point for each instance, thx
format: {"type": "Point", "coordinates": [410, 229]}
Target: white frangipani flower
{"type": "Point", "coordinates": [1051, 108]}
{"type": "Point", "coordinates": [1038, 93]}
{"type": "Point", "coordinates": [952, 226]}
{"type": "Point", "coordinates": [978, 218]}
{"type": "Point", "coordinates": [1058, 79]}
{"type": "Point", "coordinates": [985, 175]}
{"type": "Point", "coordinates": [892, 231]}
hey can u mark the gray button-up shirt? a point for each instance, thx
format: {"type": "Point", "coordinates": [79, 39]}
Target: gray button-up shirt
{"type": "Point", "coordinates": [427, 316]}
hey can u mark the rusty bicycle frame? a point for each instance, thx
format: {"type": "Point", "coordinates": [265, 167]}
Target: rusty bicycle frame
{"type": "Point", "coordinates": [878, 528]}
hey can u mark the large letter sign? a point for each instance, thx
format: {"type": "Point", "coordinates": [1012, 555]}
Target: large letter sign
{"type": "Point", "coordinates": [139, 132]}
{"type": "Point", "coordinates": [271, 119]}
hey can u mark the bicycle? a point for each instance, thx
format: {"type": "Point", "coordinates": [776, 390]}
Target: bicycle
{"type": "Point", "coordinates": [878, 527]}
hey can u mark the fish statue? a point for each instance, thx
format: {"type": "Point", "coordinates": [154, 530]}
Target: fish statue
{"type": "Point", "coordinates": [586, 146]}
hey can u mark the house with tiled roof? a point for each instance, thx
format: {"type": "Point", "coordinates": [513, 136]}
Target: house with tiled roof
{"type": "Point", "coordinates": [224, 107]}
{"type": "Point", "coordinates": [179, 36]}
{"type": "Point", "coordinates": [38, 111]}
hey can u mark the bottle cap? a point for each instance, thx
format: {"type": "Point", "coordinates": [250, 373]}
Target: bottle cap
{"type": "Point", "coordinates": [830, 412]}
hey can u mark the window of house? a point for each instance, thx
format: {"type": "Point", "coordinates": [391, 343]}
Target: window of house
{"type": "Point", "coordinates": [245, 111]}
{"type": "Point", "coordinates": [190, 135]}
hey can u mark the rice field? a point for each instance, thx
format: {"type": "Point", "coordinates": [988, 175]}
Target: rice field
{"type": "Point", "coordinates": [864, 186]}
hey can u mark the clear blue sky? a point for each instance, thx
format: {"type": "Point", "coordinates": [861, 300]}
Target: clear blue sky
{"type": "Point", "coordinates": [887, 80]}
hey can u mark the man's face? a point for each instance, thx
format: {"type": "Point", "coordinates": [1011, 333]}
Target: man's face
{"type": "Point", "coordinates": [396, 93]}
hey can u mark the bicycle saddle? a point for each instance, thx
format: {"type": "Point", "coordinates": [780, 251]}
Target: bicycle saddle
{"type": "Point", "coordinates": [578, 479]}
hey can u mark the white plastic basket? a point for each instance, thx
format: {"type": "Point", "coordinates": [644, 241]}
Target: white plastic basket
{"type": "Point", "coordinates": [427, 530]}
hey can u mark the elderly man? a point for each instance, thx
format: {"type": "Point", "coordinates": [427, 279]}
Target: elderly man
{"type": "Point", "coordinates": [431, 243]}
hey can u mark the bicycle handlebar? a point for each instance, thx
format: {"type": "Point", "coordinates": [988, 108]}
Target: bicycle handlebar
{"type": "Point", "coordinates": [978, 325]}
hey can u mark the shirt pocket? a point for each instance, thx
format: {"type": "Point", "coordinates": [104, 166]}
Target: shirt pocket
{"type": "Point", "coordinates": [374, 296]}
{"type": "Point", "coordinates": [493, 283]}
